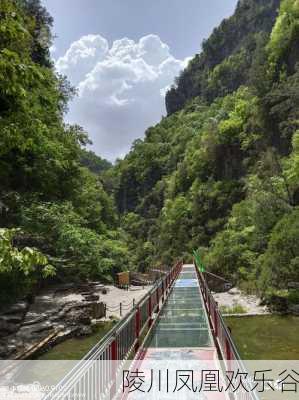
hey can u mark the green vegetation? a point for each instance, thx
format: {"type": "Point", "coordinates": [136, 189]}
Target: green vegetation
{"type": "Point", "coordinates": [49, 185]}
{"type": "Point", "coordinates": [236, 309]}
{"type": "Point", "coordinates": [219, 174]}
{"type": "Point", "coordinates": [19, 265]}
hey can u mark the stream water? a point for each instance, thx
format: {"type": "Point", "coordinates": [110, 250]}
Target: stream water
{"type": "Point", "coordinates": [269, 337]}
{"type": "Point", "coordinates": [77, 348]}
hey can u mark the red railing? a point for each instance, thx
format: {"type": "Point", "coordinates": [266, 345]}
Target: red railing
{"type": "Point", "coordinates": [222, 337]}
{"type": "Point", "coordinates": [121, 342]}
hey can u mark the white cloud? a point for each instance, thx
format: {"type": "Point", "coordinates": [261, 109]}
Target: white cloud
{"type": "Point", "coordinates": [121, 88]}
{"type": "Point", "coordinates": [53, 49]}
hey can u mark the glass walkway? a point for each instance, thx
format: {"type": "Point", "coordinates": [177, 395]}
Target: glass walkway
{"type": "Point", "coordinates": [182, 327]}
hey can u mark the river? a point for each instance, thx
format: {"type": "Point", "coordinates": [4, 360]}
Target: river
{"type": "Point", "coordinates": [268, 337]}
{"type": "Point", "coordinates": [76, 348]}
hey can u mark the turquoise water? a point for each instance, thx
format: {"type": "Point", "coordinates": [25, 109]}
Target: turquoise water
{"type": "Point", "coordinates": [269, 337]}
{"type": "Point", "coordinates": [77, 348]}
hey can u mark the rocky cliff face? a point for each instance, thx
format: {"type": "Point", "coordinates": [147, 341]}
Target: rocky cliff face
{"type": "Point", "coordinates": [54, 315]}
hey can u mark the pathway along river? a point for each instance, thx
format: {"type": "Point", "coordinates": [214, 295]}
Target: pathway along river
{"type": "Point", "coordinates": [269, 337]}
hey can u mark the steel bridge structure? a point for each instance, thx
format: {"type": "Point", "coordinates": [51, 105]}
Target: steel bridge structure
{"type": "Point", "coordinates": [177, 318]}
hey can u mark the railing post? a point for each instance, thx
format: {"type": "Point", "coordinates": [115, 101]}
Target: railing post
{"type": "Point", "coordinates": [113, 369]}
{"type": "Point", "coordinates": [150, 320]}
{"type": "Point", "coordinates": [163, 291]}
{"type": "Point", "coordinates": [137, 328]}
{"type": "Point", "coordinates": [227, 349]}
{"type": "Point", "coordinates": [216, 321]}
{"type": "Point", "coordinates": [158, 299]}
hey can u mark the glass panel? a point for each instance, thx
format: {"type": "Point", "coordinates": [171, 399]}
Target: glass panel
{"type": "Point", "coordinates": [182, 323]}
{"type": "Point", "coordinates": [180, 338]}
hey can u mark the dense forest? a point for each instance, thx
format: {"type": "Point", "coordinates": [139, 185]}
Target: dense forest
{"type": "Point", "coordinates": [219, 174]}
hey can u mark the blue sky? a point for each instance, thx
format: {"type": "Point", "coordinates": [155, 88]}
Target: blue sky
{"type": "Point", "coordinates": [122, 55]}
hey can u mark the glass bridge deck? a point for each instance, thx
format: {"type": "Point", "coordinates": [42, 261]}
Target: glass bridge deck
{"type": "Point", "coordinates": [182, 323]}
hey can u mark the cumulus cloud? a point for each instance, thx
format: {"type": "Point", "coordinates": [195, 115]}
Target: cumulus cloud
{"type": "Point", "coordinates": [121, 88]}
{"type": "Point", "coordinates": [53, 49]}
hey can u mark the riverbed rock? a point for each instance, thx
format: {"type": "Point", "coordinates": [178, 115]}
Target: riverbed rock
{"type": "Point", "coordinates": [78, 317]}
{"type": "Point", "coordinates": [29, 332]}
{"type": "Point", "coordinates": [33, 318]}
{"type": "Point", "coordinates": [294, 309]}
{"type": "Point", "coordinates": [12, 318]}
{"type": "Point", "coordinates": [18, 308]}
{"type": "Point", "coordinates": [234, 291]}
{"type": "Point", "coordinates": [7, 350]}
{"type": "Point", "coordinates": [98, 286]}
{"type": "Point", "coordinates": [7, 329]}
{"type": "Point", "coordinates": [84, 330]}
{"type": "Point", "coordinates": [23, 326]}
{"type": "Point", "coordinates": [92, 297]}
{"type": "Point", "coordinates": [277, 303]}
{"type": "Point", "coordinates": [66, 287]}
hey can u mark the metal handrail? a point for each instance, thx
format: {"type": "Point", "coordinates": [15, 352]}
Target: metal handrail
{"type": "Point", "coordinates": [111, 344]}
{"type": "Point", "coordinates": [221, 333]}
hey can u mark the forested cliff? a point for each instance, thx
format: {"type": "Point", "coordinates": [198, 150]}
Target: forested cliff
{"type": "Point", "coordinates": [56, 218]}
{"type": "Point", "coordinates": [220, 173]}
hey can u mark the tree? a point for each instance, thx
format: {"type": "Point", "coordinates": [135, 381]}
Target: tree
{"type": "Point", "coordinates": [20, 269]}
{"type": "Point", "coordinates": [280, 262]}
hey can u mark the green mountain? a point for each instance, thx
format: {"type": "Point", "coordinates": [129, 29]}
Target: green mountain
{"type": "Point", "coordinates": [228, 56]}
{"type": "Point", "coordinates": [219, 174]}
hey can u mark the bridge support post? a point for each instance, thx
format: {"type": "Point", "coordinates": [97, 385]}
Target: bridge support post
{"type": "Point", "coordinates": [163, 289]}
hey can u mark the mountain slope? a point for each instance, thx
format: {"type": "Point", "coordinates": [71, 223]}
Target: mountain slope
{"type": "Point", "coordinates": [227, 56]}
{"type": "Point", "coordinates": [219, 173]}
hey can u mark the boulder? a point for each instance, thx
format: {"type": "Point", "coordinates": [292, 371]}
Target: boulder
{"type": "Point", "coordinates": [12, 318]}
{"type": "Point", "coordinates": [7, 328]}
{"type": "Point", "coordinates": [92, 297]}
{"type": "Point", "coordinates": [294, 309]}
{"type": "Point", "coordinates": [99, 286]}
{"type": "Point", "coordinates": [32, 319]}
{"type": "Point", "coordinates": [29, 331]}
{"type": "Point", "coordinates": [277, 303]}
{"type": "Point", "coordinates": [76, 317]}
{"type": "Point", "coordinates": [18, 308]}
{"type": "Point", "coordinates": [6, 351]}
{"type": "Point", "coordinates": [42, 326]}
{"type": "Point", "coordinates": [234, 291]}
{"type": "Point", "coordinates": [84, 331]}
